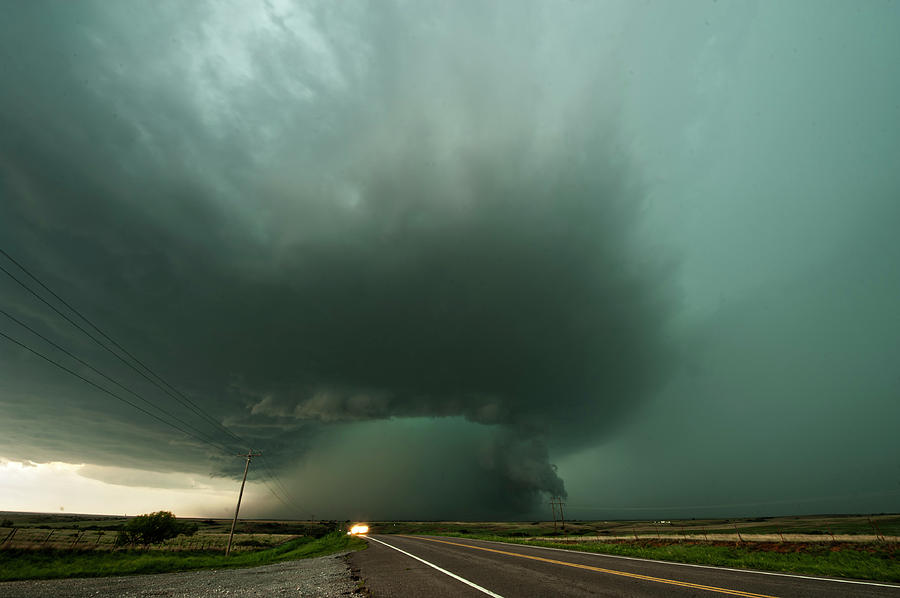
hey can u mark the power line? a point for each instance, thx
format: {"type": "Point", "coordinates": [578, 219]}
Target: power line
{"type": "Point", "coordinates": [168, 388]}
{"type": "Point", "coordinates": [556, 503]}
{"type": "Point", "coordinates": [182, 399]}
{"type": "Point", "coordinates": [284, 491]}
{"type": "Point", "coordinates": [200, 437]}
{"type": "Point", "coordinates": [280, 497]}
{"type": "Point", "coordinates": [109, 392]}
{"type": "Point", "coordinates": [106, 377]}
{"type": "Point", "coordinates": [274, 477]}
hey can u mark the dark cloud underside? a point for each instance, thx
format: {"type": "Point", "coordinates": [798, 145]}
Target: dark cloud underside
{"type": "Point", "coordinates": [392, 231]}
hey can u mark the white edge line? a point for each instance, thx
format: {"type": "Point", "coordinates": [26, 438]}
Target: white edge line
{"type": "Point", "coordinates": [444, 571]}
{"type": "Point", "coordinates": [634, 558]}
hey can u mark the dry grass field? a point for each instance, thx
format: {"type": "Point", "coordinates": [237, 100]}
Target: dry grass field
{"type": "Point", "coordinates": [38, 531]}
{"type": "Point", "coordinates": [48, 546]}
{"type": "Point", "coordinates": [811, 528]}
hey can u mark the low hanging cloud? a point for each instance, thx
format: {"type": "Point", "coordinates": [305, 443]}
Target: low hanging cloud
{"type": "Point", "coordinates": [310, 217]}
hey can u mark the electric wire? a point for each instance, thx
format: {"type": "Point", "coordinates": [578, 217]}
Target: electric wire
{"type": "Point", "coordinates": [275, 479]}
{"type": "Point", "coordinates": [109, 392]}
{"type": "Point", "coordinates": [284, 491]}
{"type": "Point", "coordinates": [286, 501]}
{"type": "Point", "coordinates": [201, 438]}
{"type": "Point", "coordinates": [97, 328]}
{"type": "Point", "coordinates": [107, 377]}
{"type": "Point", "coordinates": [186, 402]}
{"type": "Point", "coordinates": [288, 496]}
{"type": "Point", "coordinates": [181, 398]}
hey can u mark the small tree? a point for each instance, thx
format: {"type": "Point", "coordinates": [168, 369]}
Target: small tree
{"type": "Point", "coordinates": [156, 527]}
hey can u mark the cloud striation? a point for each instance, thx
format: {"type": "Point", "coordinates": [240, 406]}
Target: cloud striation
{"type": "Point", "coordinates": [309, 216]}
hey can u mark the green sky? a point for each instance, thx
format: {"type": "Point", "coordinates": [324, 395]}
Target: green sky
{"type": "Point", "coordinates": [476, 254]}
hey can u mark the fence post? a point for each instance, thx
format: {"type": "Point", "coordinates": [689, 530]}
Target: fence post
{"type": "Point", "coordinates": [9, 538]}
{"type": "Point", "coordinates": [740, 537]}
{"type": "Point", "coordinates": [878, 534]}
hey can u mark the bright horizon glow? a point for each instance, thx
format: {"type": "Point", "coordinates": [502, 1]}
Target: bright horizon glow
{"type": "Point", "coordinates": [59, 487]}
{"type": "Point", "coordinates": [358, 530]}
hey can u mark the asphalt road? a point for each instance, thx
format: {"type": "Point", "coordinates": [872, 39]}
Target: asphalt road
{"type": "Point", "coordinates": [439, 567]}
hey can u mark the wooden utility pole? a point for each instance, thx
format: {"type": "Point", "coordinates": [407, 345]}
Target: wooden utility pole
{"type": "Point", "coordinates": [554, 503]}
{"type": "Point", "coordinates": [250, 454]}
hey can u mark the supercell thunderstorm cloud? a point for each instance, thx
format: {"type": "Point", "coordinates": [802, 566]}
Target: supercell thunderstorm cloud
{"type": "Point", "coordinates": [452, 246]}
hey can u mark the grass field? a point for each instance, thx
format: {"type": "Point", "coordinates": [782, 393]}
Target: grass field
{"type": "Point", "coordinates": [879, 526]}
{"type": "Point", "coordinates": [97, 532]}
{"type": "Point", "coordinates": [867, 546]}
{"type": "Point", "coordinates": [879, 562]}
{"type": "Point", "coordinates": [52, 563]}
{"type": "Point", "coordinates": [50, 545]}
{"type": "Point", "coordinates": [78, 539]}
{"type": "Point", "coordinates": [50, 521]}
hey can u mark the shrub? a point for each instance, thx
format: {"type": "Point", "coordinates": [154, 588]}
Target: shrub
{"type": "Point", "coordinates": [155, 527]}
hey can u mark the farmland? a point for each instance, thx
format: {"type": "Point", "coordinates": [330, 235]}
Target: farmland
{"type": "Point", "coordinates": [826, 528]}
{"type": "Point", "coordinates": [45, 546]}
{"type": "Point", "coordinates": [93, 532]}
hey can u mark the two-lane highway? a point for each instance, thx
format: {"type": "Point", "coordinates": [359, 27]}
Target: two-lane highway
{"type": "Point", "coordinates": [440, 567]}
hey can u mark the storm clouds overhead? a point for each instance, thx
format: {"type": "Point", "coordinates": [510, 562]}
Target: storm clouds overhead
{"type": "Point", "coordinates": [477, 254]}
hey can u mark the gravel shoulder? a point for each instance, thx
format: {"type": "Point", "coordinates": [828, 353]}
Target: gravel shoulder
{"type": "Point", "coordinates": [325, 576]}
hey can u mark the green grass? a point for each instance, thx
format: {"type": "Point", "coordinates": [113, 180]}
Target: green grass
{"type": "Point", "coordinates": [877, 562]}
{"type": "Point", "coordinates": [820, 525]}
{"type": "Point", "coordinates": [49, 564]}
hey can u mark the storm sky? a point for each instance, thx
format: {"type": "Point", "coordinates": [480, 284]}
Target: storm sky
{"type": "Point", "coordinates": [446, 260]}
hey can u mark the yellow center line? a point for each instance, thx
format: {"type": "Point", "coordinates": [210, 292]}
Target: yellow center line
{"type": "Point", "coordinates": [673, 582]}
